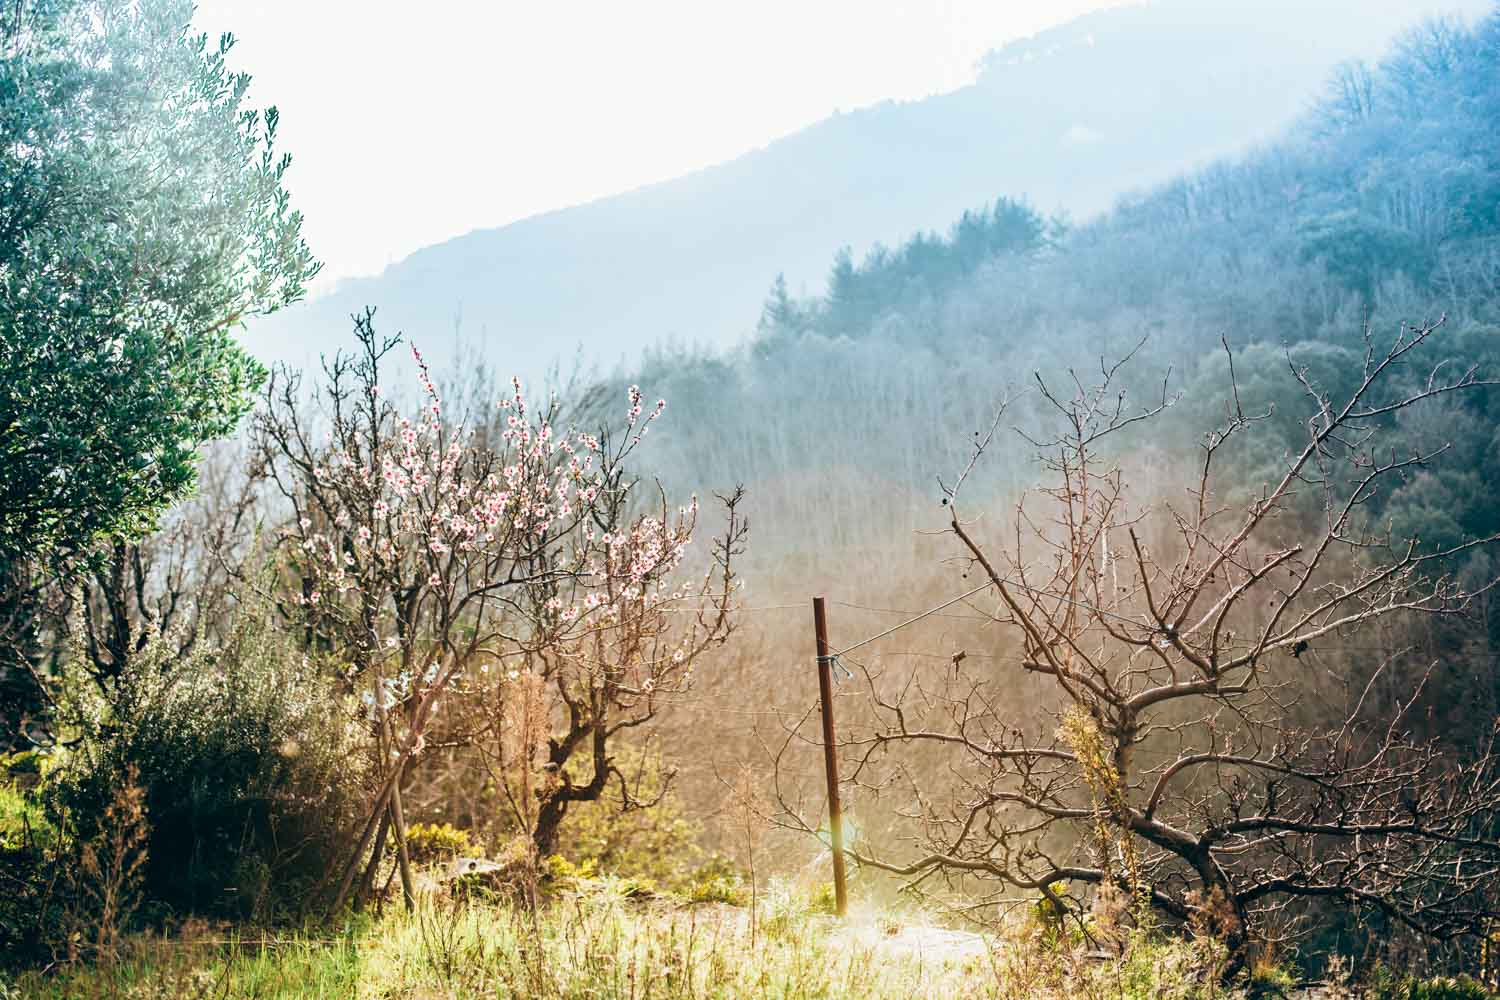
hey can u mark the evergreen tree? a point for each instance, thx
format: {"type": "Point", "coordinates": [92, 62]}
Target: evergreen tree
{"type": "Point", "coordinates": [143, 218]}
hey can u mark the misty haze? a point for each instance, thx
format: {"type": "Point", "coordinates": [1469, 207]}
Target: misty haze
{"type": "Point", "coordinates": [849, 501]}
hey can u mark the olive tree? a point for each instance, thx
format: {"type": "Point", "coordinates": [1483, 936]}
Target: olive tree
{"type": "Point", "coordinates": [143, 217]}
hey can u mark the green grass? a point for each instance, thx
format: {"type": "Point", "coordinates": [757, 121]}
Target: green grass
{"type": "Point", "coordinates": [591, 945]}
{"type": "Point", "coordinates": [602, 943]}
{"type": "Point", "coordinates": [598, 943]}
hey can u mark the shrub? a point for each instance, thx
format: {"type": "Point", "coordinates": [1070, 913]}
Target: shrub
{"type": "Point", "coordinates": [429, 842]}
{"type": "Point", "coordinates": [247, 761]}
{"type": "Point", "coordinates": [22, 821]}
{"type": "Point", "coordinates": [1267, 979]}
{"type": "Point", "coordinates": [103, 887]}
{"type": "Point", "coordinates": [30, 913]}
{"type": "Point", "coordinates": [629, 888]}
{"type": "Point", "coordinates": [656, 841]}
{"type": "Point", "coordinates": [824, 898]}
{"type": "Point", "coordinates": [717, 881]}
{"type": "Point", "coordinates": [560, 869]}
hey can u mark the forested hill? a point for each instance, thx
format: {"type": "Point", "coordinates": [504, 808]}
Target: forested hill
{"type": "Point", "coordinates": [1068, 119]}
{"type": "Point", "coordinates": [1380, 205]}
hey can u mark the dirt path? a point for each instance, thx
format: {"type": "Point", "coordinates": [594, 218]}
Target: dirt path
{"type": "Point", "coordinates": [934, 944]}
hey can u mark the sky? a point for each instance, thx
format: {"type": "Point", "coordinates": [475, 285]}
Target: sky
{"type": "Point", "coordinates": [410, 124]}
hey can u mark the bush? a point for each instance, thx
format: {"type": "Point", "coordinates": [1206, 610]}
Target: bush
{"type": "Point", "coordinates": [23, 824]}
{"type": "Point", "coordinates": [560, 869]}
{"type": "Point", "coordinates": [717, 881]}
{"type": "Point", "coordinates": [430, 842]}
{"type": "Point", "coordinates": [247, 759]}
{"type": "Point", "coordinates": [656, 842]}
{"type": "Point", "coordinates": [29, 914]}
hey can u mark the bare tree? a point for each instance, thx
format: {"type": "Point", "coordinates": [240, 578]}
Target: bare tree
{"type": "Point", "coordinates": [179, 580]}
{"type": "Point", "coordinates": [1349, 97]}
{"type": "Point", "coordinates": [31, 605]}
{"type": "Point", "coordinates": [1174, 758]}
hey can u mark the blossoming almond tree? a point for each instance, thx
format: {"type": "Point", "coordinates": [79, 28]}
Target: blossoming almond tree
{"type": "Point", "coordinates": [634, 637]}
{"type": "Point", "coordinates": [427, 554]}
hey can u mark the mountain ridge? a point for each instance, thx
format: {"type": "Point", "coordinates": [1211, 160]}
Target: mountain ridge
{"type": "Point", "coordinates": [691, 257]}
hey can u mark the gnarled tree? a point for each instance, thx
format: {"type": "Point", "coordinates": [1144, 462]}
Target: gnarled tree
{"type": "Point", "coordinates": [1187, 751]}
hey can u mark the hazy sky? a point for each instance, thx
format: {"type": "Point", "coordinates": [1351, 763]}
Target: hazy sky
{"type": "Point", "coordinates": [412, 123]}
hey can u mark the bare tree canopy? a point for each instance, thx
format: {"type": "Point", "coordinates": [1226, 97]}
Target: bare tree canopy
{"type": "Point", "coordinates": [1184, 752]}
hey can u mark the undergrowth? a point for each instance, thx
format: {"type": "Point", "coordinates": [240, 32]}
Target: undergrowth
{"type": "Point", "coordinates": [598, 942]}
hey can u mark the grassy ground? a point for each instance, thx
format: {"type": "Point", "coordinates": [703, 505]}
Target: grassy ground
{"type": "Point", "coordinates": [599, 944]}
{"type": "Point", "coordinates": [587, 946]}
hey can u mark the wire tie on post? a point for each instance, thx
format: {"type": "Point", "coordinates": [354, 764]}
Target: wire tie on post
{"type": "Point", "coordinates": [832, 660]}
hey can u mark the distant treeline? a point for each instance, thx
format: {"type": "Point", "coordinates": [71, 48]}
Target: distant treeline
{"type": "Point", "coordinates": [1381, 206]}
{"type": "Point", "coordinates": [925, 267]}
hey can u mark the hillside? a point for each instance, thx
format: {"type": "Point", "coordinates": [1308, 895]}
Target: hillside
{"type": "Point", "coordinates": [1377, 207]}
{"type": "Point", "coordinates": [1069, 120]}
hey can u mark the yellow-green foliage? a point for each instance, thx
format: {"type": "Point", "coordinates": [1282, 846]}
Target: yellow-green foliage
{"type": "Point", "coordinates": [562, 870]}
{"type": "Point", "coordinates": [717, 882]}
{"type": "Point", "coordinates": [23, 824]}
{"type": "Point", "coordinates": [32, 881]}
{"type": "Point", "coordinates": [585, 875]}
{"type": "Point", "coordinates": [657, 842]}
{"type": "Point", "coordinates": [825, 898]}
{"type": "Point", "coordinates": [1271, 980]}
{"type": "Point", "coordinates": [1080, 731]}
{"type": "Point", "coordinates": [718, 890]}
{"type": "Point", "coordinates": [428, 842]}
{"type": "Point", "coordinates": [1049, 914]}
{"type": "Point", "coordinates": [630, 888]}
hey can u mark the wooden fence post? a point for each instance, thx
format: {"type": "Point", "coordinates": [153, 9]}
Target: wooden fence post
{"type": "Point", "coordinates": [830, 757]}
